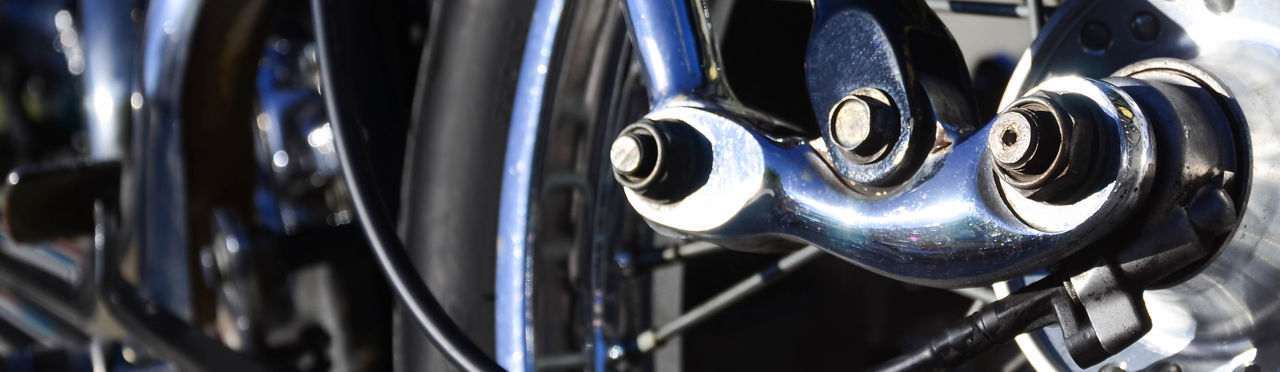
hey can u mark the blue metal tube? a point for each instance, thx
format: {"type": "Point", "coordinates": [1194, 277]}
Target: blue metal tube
{"type": "Point", "coordinates": [673, 41]}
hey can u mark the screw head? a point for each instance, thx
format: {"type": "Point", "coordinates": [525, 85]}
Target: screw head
{"type": "Point", "coordinates": [626, 154]}
{"type": "Point", "coordinates": [852, 123]}
{"type": "Point", "coordinates": [1013, 137]}
{"type": "Point", "coordinates": [1026, 141]}
{"type": "Point", "coordinates": [1047, 146]}
{"type": "Point", "coordinates": [865, 125]}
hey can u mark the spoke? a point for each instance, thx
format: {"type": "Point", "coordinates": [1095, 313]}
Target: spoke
{"type": "Point", "coordinates": [688, 250]}
{"type": "Point", "coordinates": [672, 254]}
{"type": "Point", "coordinates": [654, 337]}
{"type": "Point", "coordinates": [979, 294]}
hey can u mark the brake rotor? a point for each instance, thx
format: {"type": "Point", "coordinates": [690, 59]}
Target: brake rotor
{"type": "Point", "coordinates": [1223, 317]}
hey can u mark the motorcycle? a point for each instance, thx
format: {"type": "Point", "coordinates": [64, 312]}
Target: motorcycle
{"type": "Point", "coordinates": [578, 185]}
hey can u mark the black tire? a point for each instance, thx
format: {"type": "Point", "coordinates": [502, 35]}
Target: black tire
{"type": "Point", "coordinates": [453, 167]}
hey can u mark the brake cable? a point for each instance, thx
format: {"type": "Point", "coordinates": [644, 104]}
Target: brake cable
{"type": "Point", "coordinates": [372, 215]}
{"type": "Point", "coordinates": [994, 324]}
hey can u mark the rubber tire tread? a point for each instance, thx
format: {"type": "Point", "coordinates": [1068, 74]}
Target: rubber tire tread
{"type": "Point", "coordinates": [453, 166]}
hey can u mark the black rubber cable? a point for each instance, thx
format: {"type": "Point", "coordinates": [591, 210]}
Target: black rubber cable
{"type": "Point", "coordinates": [372, 214]}
{"type": "Point", "coordinates": [994, 324]}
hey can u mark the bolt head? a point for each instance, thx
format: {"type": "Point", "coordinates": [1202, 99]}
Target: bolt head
{"type": "Point", "coordinates": [851, 126]}
{"type": "Point", "coordinates": [626, 154]}
{"type": "Point", "coordinates": [865, 125]}
{"type": "Point", "coordinates": [1013, 137]}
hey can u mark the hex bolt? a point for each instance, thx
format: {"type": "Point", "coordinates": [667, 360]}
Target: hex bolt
{"type": "Point", "coordinates": [1013, 138]}
{"type": "Point", "coordinates": [1144, 27]}
{"type": "Point", "coordinates": [1027, 143]}
{"type": "Point", "coordinates": [1095, 36]}
{"type": "Point", "coordinates": [1044, 145]}
{"type": "Point", "coordinates": [865, 125]}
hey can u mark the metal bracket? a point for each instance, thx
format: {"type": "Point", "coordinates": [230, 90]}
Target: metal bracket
{"type": "Point", "coordinates": [902, 49]}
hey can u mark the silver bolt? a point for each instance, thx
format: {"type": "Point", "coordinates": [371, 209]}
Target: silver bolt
{"type": "Point", "coordinates": [865, 125]}
{"type": "Point", "coordinates": [1012, 139]}
{"type": "Point", "coordinates": [852, 123]}
{"type": "Point", "coordinates": [625, 154]}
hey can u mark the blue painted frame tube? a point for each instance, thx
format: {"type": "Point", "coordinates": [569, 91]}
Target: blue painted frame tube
{"type": "Point", "coordinates": [513, 325]}
{"type": "Point", "coordinates": [672, 38]}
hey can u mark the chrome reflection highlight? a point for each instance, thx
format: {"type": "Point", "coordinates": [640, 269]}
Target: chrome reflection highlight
{"type": "Point", "coordinates": [762, 189]}
{"type": "Point", "coordinates": [1224, 317]}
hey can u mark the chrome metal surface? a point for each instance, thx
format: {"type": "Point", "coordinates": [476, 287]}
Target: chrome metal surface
{"type": "Point", "coordinates": [157, 206]}
{"type": "Point", "coordinates": [107, 43]}
{"type": "Point", "coordinates": [295, 143]}
{"type": "Point", "coordinates": [227, 267]}
{"type": "Point", "coordinates": [866, 44]}
{"type": "Point", "coordinates": [1124, 188]}
{"type": "Point", "coordinates": [1225, 316]}
{"type": "Point", "coordinates": [761, 189]}
{"type": "Point", "coordinates": [514, 275]}
{"type": "Point", "coordinates": [931, 202]}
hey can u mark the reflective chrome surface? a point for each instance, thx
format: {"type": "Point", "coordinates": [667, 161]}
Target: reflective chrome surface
{"type": "Point", "coordinates": [1137, 157]}
{"type": "Point", "coordinates": [760, 189]}
{"type": "Point", "coordinates": [295, 144]}
{"type": "Point", "coordinates": [1226, 316]}
{"type": "Point", "coordinates": [901, 50]}
{"type": "Point", "coordinates": [763, 189]}
{"type": "Point", "coordinates": [108, 74]}
{"type": "Point", "coordinates": [158, 187]}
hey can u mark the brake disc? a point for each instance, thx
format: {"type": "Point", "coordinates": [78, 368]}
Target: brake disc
{"type": "Point", "coordinates": [1223, 316]}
